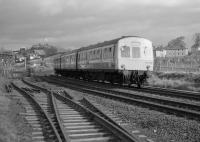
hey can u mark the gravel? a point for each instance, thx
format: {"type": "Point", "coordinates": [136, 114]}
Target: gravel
{"type": "Point", "coordinates": [157, 125]}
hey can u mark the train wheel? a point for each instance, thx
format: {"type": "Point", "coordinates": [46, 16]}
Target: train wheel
{"type": "Point", "coordinates": [138, 85]}
{"type": "Point", "coordinates": [129, 85]}
{"type": "Point", "coordinates": [122, 79]}
{"type": "Point", "coordinates": [138, 82]}
{"type": "Point", "coordinates": [111, 79]}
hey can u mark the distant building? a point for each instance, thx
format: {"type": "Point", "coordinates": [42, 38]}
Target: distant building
{"type": "Point", "coordinates": [170, 51]}
{"type": "Point", "coordinates": [19, 58]}
{"type": "Point", "coordinates": [6, 57]}
{"type": "Point", "coordinates": [39, 52]}
{"type": "Point", "coordinates": [22, 51]}
{"type": "Point", "coordinates": [32, 56]}
{"type": "Point", "coordinates": [176, 51]}
{"type": "Point", "coordinates": [160, 52]}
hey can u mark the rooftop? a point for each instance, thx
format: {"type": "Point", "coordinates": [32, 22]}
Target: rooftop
{"type": "Point", "coordinates": [175, 47]}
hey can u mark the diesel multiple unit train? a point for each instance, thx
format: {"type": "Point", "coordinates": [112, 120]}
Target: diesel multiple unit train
{"type": "Point", "coordinates": [122, 60]}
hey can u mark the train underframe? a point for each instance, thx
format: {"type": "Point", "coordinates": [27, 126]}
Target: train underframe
{"type": "Point", "coordinates": [113, 76]}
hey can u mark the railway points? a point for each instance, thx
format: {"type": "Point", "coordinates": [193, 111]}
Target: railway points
{"type": "Point", "coordinates": [66, 108]}
{"type": "Point", "coordinates": [168, 106]}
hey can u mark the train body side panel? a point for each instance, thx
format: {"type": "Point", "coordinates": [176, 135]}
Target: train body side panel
{"type": "Point", "coordinates": [102, 58]}
{"type": "Point", "coordinates": [68, 61]}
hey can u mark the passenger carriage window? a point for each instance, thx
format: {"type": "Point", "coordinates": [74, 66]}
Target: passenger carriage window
{"type": "Point", "coordinates": [68, 59]}
{"type": "Point", "coordinates": [135, 52]}
{"type": "Point", "coordinates": [125, 51]}
{"type": "Point", "coordinates": [104, 53]}
{"type": "Point", "coordinates": [94, 54]}
{"type": "Point", "coordinates": [74, 58]}
{"type": "Point", "coordinates": [91, 55]}
{"type": "Point", "coordinates": [71, 58]}
{"type": "Point", "coordinates": [110, 49]}
{"type": "Point", "coordinates": [98, 53]}
{"type": "Point", "coordinates": [111, 52]}
{"type": "Point", "coordinates": [83, 56]}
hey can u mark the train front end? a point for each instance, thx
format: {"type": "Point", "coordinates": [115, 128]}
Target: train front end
{"type": "Point", "coordinates": [135, 59]}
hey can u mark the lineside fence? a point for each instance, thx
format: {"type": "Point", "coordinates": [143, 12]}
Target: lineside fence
{"type": "Point", "coordinates": [187, 64]}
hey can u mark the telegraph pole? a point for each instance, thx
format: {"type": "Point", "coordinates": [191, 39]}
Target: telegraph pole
{"type": "Point", "coordinates": [25, 66]}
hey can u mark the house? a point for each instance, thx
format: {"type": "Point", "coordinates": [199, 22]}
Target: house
{"type": "Point", "coordinates": [160, 52]}
{"type": "Point", "coordinates": [176, 51]}
{"type": "Point", "coordinates": [19, 58]}
{"type": "Point", "coordinates": [39, 52]}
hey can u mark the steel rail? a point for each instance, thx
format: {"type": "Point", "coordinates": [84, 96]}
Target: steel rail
{"type": "Point", "coordinates": [191, 95]}
{"type": "Point", "coordinates": [155, 99]}
{"type": "Point", "coordinates": [93, 108]}
{"type": "Point", "coordinates": [161, 107]}
{"type": "Point", "coordinates": [40, 108]}
{"type": "Point", "coordinates": [65, 137]}
{"type": "Point", "coordinates": [124, 136]}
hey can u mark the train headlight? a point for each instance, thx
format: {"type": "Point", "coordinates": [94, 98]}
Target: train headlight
{"type": "Point", "coordinates": [123, 66]}
{"type": "Point", "coordinates": [148, 67]}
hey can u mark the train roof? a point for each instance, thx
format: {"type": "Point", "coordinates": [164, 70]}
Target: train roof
{"type": "Point", "coordinates": [54, 55]}
{"type": "Point", "coordinates": [70, 52]}
{"type": "Point", "coordinates": [109, 42]}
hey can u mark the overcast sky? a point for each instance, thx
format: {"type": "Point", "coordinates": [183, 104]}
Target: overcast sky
{"type": "Point", "coordinates": [76, 23]}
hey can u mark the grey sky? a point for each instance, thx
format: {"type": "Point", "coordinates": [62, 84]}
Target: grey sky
{"type": "Point", "coordinates": [76, 23]}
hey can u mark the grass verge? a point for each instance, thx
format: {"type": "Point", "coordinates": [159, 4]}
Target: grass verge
{"type": "Point", "coordinates": [12, 126]}
{"type": "Point", "coordinates": [189, 82]}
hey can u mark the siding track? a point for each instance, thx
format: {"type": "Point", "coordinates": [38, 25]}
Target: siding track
{"type": "Point", "coordinates": [146, 89]}
{"type": "Point", "coordinates": [79, 123]}
{"type": "Point", "coordinates": [180, 108]}
{"type": "Point", "coordinates": [43, 128]}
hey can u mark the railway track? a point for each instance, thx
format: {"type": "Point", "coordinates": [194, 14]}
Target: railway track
{"type": "Point", "coordinates": [79, 123]}
{"type": "Point", "coordinates": [147, 89]}
{"type": "Point", "coordinates": [171, 92]}
{"type": "Point", "coordinates": [108, 114]}
{"type": "Point", "coordinates": [43, 129]}
{"type": "Point", "coordinates": [193, 105]}
{"type": "Point", "coordinates": [189, 110]}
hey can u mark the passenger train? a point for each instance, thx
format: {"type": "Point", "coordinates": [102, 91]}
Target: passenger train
{"type": "Point", "coordinates": [123, 60]}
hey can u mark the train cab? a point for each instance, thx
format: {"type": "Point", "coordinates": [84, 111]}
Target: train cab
{"type": "Point", "coordinates": [135, 54]}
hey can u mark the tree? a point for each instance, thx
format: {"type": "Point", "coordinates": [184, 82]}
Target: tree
{"type": "Point", "coordinates": [177, 42]}
{"type": "Point", "coordinates": [159, 47]}
{"type": "Point", "coordinates": [196, 39]}
{"type": "Point", "coordinates": [50, 50]}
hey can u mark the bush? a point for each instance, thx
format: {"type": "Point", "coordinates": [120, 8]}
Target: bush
{"type": "Point", "coordinates": [175, 80]}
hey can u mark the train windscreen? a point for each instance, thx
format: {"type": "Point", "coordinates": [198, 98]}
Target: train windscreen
{"type": "Point", "coordinates": [135, 52]}
{"type": "Point", "coordinates": [125, 51]}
